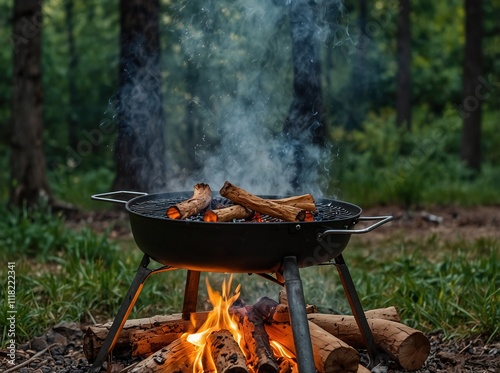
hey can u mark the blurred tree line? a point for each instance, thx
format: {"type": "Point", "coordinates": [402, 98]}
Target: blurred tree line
{"type": "Point", "coordinates": [90, 72]}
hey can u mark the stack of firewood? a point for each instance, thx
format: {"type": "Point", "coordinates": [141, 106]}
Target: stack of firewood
{"type": "Point", "coordinates": [335, 340]}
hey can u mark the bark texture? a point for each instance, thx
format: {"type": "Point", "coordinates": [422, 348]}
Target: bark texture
{"type": "Point", "coordinates": [471, 109]}
{"type": "Point", "coordinates": [403, 78]}
{"type": "Point", "coordinates": [27, 159]}
{"type": "Point", "coordinates": [140, 148]}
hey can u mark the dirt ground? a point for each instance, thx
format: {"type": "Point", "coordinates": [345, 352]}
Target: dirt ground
{"type": "Point", "coordinates": [448, 223]}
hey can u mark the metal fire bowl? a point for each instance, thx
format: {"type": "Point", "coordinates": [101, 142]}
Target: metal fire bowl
{"type": "Point", "coordinates": [236, 247]}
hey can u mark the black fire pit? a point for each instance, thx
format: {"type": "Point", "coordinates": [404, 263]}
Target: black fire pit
{"type": "Point", "coordinates": [273, 249]}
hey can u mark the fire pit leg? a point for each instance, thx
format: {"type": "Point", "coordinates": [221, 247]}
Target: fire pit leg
{"type": "Point", "coordinates": [357, 310]}
{"type": "Point", "coordinates": [298, 316]}
{"type": "Point", "coordinates": [143, 272]}
{"type": "Point", "coordinates": [190, 294]}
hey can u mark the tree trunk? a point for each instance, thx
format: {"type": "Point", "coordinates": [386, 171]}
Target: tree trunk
{"type": "Point", "coordinates": [27, 160]}
{"type": "Point", "coordinates": [304, 124]}
{"type": "Point", "coordinates": [73, 62]}
{"type": "Point", "coordinates": [471, 132]}
{"type": "Point", "coordinates": [403, 79]}
{"type": "Point", "coordinates": [140, 148]}
{"type": "Point", "coordinates": [358, 98]}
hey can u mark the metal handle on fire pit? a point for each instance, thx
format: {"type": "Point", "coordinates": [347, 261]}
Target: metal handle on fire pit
{"type": "Point", "coordinates": [104, 196]}
{"type": "Point", "coordinates": [382, 220]}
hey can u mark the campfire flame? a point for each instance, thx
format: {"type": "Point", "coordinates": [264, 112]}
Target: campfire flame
{"type": "Point", "coordinates": [280, 350]}
{"type": "Point", "coordinates": [219, 318]}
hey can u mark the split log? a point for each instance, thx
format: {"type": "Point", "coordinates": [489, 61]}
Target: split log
{"type": "Point", "coordinates": [330, 353]}
{"type": "Point", "coordinates": [264, 206]}
{"type": "Point", "coordinates": [226, 354]}
{"type": "Point", "coordinates": [257, 341]}
{"type": "Point", "coordinates": [201, 198]}
{"type": "Point", "coordinates": [95, 335]}
{"type": "Point", "coordinates": [408, 346]}
{"type": "Point", "coordinates": [177, 357]}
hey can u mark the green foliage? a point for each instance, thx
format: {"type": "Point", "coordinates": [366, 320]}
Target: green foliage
{"type": "Point", "coordinates": [75, 186]}
{"type": "Point", "coordinates": [380, 164]}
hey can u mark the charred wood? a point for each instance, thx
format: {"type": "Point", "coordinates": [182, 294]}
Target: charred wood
{"type": "Point", "coordinates": [257, 341]}
{"type": "Point", "coordinates": [226, 354]}
{"type": "Point", "coordinates": [177, 357]}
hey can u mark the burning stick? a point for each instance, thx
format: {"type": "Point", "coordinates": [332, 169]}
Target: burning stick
{"type": "Point", "coordinates": [201, 199]}
{"type": "Point", "coordinates": [264, 206]}
{"type": "Point", "coordinates": [226, 354]}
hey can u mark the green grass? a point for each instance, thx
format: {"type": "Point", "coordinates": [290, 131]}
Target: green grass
{"type": "Point", "coordinates": [62, 274]}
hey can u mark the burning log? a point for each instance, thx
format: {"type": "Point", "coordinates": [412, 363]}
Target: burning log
{"type": "Point", "coordinates": [264, 206]}
{"type": "Point", "coordinates": [226, 354]}
{"type": "Point", "coordinates": [202, 196]}
{"type": "Point", "coordinates": [230, 213]}
{"type": "Point", "coordinates": [177, 357]}
{"type": "Point", "coordinates": [330, 353]}
{"type": "Point", "coordinates": [257, 341]}
{"type": "Point", "coordinates": [159, 328]}
{"type": "Point", "coordinates": [145, 342]}
{"type": "Point", "coordinates": [409, 347]}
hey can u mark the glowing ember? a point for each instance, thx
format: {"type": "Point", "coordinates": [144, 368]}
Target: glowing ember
{"type": "Point", "coordinates": [257, 217]}
{"type": "Point", "coordinates": [219, 318]}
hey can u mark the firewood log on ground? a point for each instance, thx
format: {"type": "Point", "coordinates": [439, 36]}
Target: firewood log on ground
{"type": "Point", "coordinates": [335, 339]}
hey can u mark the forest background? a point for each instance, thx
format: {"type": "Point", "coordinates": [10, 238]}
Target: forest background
{"type": "Point", "coordinates": [217, 58]}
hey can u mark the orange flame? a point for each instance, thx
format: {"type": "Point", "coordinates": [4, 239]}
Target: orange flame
{"type": "Point", "coordinates": [280, 350]}
{"type": "Point", "coordinates": [218, 318]}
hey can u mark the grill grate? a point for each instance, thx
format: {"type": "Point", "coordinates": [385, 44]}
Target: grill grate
{"type": "Point", "coordinates": [325, 211]}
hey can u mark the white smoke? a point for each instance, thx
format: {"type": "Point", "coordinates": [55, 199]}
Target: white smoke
{"type": "Point", "coordinates": [242, 140]}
